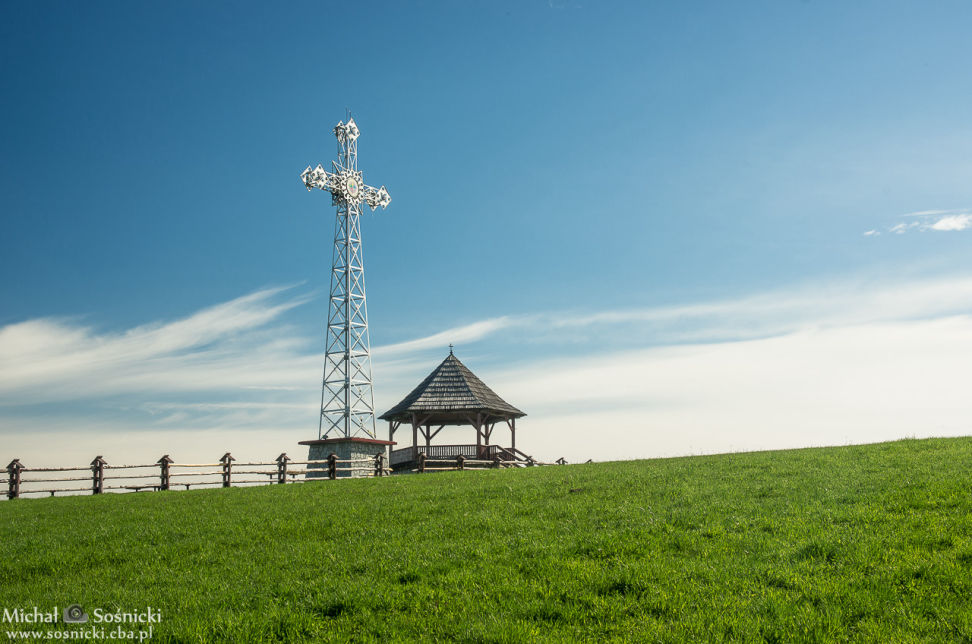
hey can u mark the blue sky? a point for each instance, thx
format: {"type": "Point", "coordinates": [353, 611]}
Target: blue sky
{"type": "Point", "coordinates": [615, 210]}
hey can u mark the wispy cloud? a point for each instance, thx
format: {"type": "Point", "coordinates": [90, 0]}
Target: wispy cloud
{"type": "Point", "coordinates": [832, 304]}
{"type": "Point", "coordinates": [57, 359]}
{"type": "Point", "coordinates": [902, 227]}
{"type": "Point", "coordinates": [834, 362]}
{"type": "Point", "coordinates": [245, 347]}
{"type": "Point", "coordinates": [927, 213]}
{"type": "Point", "coordinates": [467, 333]}
{"type": "Point", "coordinates": [931, 220]}
{"type": "Point", "coordinates": [827, 386]}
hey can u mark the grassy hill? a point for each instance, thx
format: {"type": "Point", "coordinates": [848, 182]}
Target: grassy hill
{"type": "Point", "coordinates": [864, 543]}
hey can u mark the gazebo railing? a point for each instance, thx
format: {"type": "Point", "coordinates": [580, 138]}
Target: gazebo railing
{"type": "Point", "coordinates": [411, 453]}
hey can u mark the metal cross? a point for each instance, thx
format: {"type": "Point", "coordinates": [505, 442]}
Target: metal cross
{"type": "Point", "coordinates": [344, 182]}
{"type": "Point", "coordinates": [347, 397]}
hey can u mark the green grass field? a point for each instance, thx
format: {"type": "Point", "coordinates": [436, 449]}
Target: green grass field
{"type": "Point", "coordinates": [866, 543]}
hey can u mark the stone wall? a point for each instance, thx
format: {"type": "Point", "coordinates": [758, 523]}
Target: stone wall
{"type": "Point", "coordinates": [345, 449]}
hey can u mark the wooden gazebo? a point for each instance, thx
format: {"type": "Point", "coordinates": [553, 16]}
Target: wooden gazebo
{"type": "Point", "coordinates": [452, 395]}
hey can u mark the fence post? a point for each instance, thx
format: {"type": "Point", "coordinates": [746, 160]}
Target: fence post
{"type": "Point", "coordinates": [379, 464]}
{"type": "Point", "coordinates": [282, 468]}
{"type": "Point", "coordinates": [227, 462]}
{"type": "Point", "coordinates": [530, 461]}
{"type": "Point", "coordinates": [13, 478]}
{"type": "Point", "coordinates": [98, 475]}
{"type": "Point", "coordinates": [460, 462]}
{"type": "Point", "coordinates": [421, 461]}
{"type": "Point", "coordinates": [496, 462]}
{"type": "Point", "coordinates": [332, 466]}
{"type": "Point", "coordinates": [164, 472]}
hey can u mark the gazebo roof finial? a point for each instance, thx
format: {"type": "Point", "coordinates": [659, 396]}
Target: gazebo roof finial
{"type": "Point", "coordinates": [450, 348]}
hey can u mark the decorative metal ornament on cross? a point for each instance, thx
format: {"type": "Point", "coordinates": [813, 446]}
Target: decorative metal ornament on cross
{"type": "Point", "coordinates": [351, 183]}
{"type": "Point", "coordinates": [346, 132]}
{"type": "Point", "coordinates": [347, 399]}
{"type": "Point", "coordinates": [345, 182]}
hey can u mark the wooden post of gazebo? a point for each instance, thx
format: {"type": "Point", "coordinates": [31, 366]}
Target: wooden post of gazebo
{"type": "Point", "coordinates": [479, 436]}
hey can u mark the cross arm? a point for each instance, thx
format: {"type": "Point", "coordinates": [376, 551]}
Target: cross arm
{"type": "Point", "coordinates": [319, 178]}
{"type": "Point", "coordinates": [375, 197]}
{"type": "Point", "coordinates": [346, 185]}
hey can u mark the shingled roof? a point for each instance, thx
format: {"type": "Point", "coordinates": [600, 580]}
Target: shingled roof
{"type": "Point", "coordinates": [450, 392]}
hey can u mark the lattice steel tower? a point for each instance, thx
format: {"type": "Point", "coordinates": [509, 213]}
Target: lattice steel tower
{"type": "Point", "coordinates": [347, 397]}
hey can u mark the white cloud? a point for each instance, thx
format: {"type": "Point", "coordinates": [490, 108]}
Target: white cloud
{"type": "Point", "coordinates": [926, 213]}
{"type": "Point", "coordinates": [817, 387]}
{"type": "Point", "coordinates": [218, 347]}
{"type": "Point", "coordinates": [871, 233]}
{"type": "Point", "coordinates": [952, 222]}
{"type": "Point", "coordinates": [822, 363]}
{"type": "Point", "coordinates": [468, 333]}
{"type": "Point", "coordinates": [784, 311]}
{"type": "Point", "coordinates": [932, 220]}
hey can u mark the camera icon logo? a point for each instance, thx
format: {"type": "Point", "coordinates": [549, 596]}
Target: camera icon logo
{"type": "Point", "coordinates": [74, 614]}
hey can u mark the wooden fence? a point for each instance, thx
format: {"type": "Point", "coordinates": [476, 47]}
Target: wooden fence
{"type": "Point", "coordinates": [104, 477]}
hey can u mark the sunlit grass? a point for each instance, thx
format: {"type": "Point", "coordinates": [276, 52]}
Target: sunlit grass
{"type": "Point", "coordinates": [866, 543]}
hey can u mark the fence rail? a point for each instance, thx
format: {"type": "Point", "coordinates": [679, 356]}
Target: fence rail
{"type": "Point", "coordinates": [171, 475]}
{"type": "Point", "coordinates": [103, 477]}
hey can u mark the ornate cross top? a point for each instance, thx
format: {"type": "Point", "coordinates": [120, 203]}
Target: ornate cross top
{"type": "Point", "coordinates": [344, 182]}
